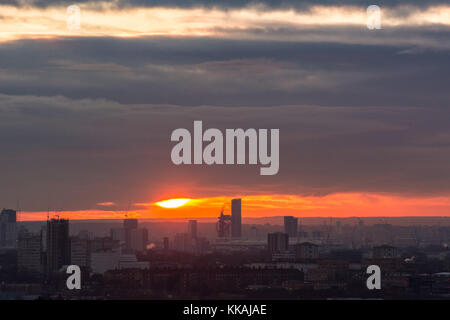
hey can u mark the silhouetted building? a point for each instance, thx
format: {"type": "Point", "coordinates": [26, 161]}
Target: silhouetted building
{"type": "Point", "coordinates": [306, 250]}
{"type": "Point", "coordinates": [129, 225]}
{"type": "Point", "coordinates": [8, 229]}
{"type": "Point", "coordinates": [29, 253]}
{"type": "Point", "coordinates": [291, 226]}
{"type": "Point", "coordinates": [139, 240]}
{"type": "Point", "coordinates": [236, 219]}
{"type": "Point", "coordinates": [385, 252]}
{"type": "Point", "coordinates": [277, 242]}
{"type": "Point", "coordinates": [58, 244]}
{"type": "Point", "coordinates": [131, 238]}
{"type": "Point", "coordinates": [183, 242]}
{"type": "Point", "coordinates": [80, 251]}
{"type": "Point", "coordinates": [192, 228]}
{"type": "Point", "coordinates": [104, 244]}
{"type": "Point", "coordinates": [166, 243]}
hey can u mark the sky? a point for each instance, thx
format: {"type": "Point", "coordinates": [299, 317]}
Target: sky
{"type": "Point", "coordinates": [86, 114]}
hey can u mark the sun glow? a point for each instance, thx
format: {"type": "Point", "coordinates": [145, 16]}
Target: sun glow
{"type": "Point", "coordinates": [172, 203]}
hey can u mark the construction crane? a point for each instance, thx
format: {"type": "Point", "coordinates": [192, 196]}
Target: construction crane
{"type": "Point", "coordinates": [223, 224]}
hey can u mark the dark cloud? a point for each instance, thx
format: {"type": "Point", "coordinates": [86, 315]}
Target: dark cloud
{"type": "Point", "coordinates": [226, 72]}
{"type": "Point", "coordinates": [67, 154]}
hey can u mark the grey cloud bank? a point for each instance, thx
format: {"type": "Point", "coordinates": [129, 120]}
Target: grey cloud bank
{"type": "Point", "coordinates": [70, 153]}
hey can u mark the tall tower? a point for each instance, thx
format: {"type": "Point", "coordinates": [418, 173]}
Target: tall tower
{"type": "Point", "coordinates": [192, 229]}
{"type": "Point", "coordinates": [291, 226]}
{"type": "Point", "coordinates": [8, 229]}
{"type": "Point", "coordinates": [236, 222]}
{"type": "Point", "coordinates": [130, 226]}
{"type": "Point", "coordinates": [58, 244]}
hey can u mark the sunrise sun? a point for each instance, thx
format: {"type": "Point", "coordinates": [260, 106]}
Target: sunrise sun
{"type": "Point", "coordinates": [172, 203]}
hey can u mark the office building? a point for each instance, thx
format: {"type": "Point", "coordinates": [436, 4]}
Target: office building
{"type": "Point", "coordinates": [277, 242]}
{"type": "Point", "coordinates": [384, 252]}
{"type": "Point", "coordinates": [192, 228]}
{"type": "Point", "coordinates": [166, 244]}
{"type": "Point", "coordinates": [29, 253]}
{"type": "Point", "coordinates": [291, 226]}
{"type": "Point", "coordinates": [8, 229]}
{"type": "Point", "coordinates": [183, 242]}
{"type": "Point", "coordinates": [131, 238]}
{"type": "Point", "coordinates": [236, 219]}
{"type": "Point", "coordinates": [138, 240]}
{"type": "Point", "coordinates": [306, 250]}
{"type": "Point", "coordinates": [58, 244]}
{"type": "Point", "coordinates": [80, 251]}
{"type": "Point", "coordinates": [129, 225]}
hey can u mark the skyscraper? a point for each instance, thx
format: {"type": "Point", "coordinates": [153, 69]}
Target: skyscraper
{"type": "Point", "coordinates": [290, 226]}
{"type": "Point", "coordinates": [131, 238]}
{"type": "Point", "coordinates": [8, 229]}
{"type": "Point", "coordinates": [236, 224]}
{"type": "Point", "coordinates": [29, 253]}
{"type": "Point", "coordinates": [192, 229]}
{"type": "Point", "coordinates": [58, 244]}
{"type": "Point", "coordinates": [129, 225]}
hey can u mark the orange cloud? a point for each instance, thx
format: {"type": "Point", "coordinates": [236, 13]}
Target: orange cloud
{"type": "Point", "coordinates": [333, 205]}
{"type": "Point", "coordinates": [106, 204]}
{"type": "Point", "coordinates": [104, 19]}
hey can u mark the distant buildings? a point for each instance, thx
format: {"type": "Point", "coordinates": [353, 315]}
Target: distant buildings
{"type": "Point", "coordinates": [8, 229]}
{"type": "Point", "coordinates": [58, 244]}
{"type": "Point", "coordinates": [192, 229]}
{"type": "Point", "coordinates": [277, 242]}
{"type": "Point", "coordinates": [132, 238]}
{"type": "Point", "coordinates": [166, 244]}
{"type": "Point", "coordinates": [236, 219]}
{"type": "Point", "coordinates": [190, 241]}
{"type": "Point", "coordinates": [30, 253]}
{"type": "Point", "coordinates": [385, 252]}
{"type": "Point", "coordinates": [291, 226]}
{"type": "Point", "coordinates": [183, 242]}
{"type": "Point", "coordinates": [80, 249]}
{"type": "Point", "coordinates": [104, 261]}
{"type": "Point", "coordinates": [306, 250]}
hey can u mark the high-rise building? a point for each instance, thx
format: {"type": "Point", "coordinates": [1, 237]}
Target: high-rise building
{"type": "Point", "coordinates": [277, 242]}
{"type": "Point", "coordinates": [8, 229]}
{"type": "Point", "coordinates": [192, 229]}
{"type": "Point", "coordinates": [29, 253]}
{"type": "Point", "coordinates": [166, 243]}
{"type": "Point", "coordinates": [104, 244]}
{"type": "Point", "coordinates": [131, 238]}
{"type": "Point", "coordinates": [139, 240]}
{"type": "Point", "coordinates": [58, 244]}
{"type": "Point", "coordinates": [80, 251]}
{"type": "Point", "coordinates": [183, 242]}
{"type": "Point", "coordinates": [236, 222]}
{"type": "Point", "coordinates": [291, 226]}
{"type": "Point", "coordinates": [129, 225]}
